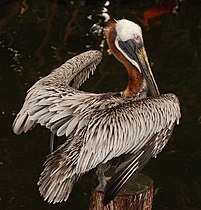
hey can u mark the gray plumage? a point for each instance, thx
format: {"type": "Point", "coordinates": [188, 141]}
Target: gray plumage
{"type": "Point", "coordinates": [98, 127]}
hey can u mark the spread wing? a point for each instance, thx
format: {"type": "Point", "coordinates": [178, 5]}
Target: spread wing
{"type": "Point", "coordinates": [98, 127]}
{"type": "Point", "coordinates": [126, 128]}
{"type": "Point", "coordinates": [45, 102]}
{"type": "Point", "coordinates": [113, 127]}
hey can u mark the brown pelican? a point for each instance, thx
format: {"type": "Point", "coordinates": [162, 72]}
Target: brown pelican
{"type": "Point", "coordinates": [99, 127]}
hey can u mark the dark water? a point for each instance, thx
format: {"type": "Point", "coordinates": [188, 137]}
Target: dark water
{"type": "Point", "coordinates": [37, 36]}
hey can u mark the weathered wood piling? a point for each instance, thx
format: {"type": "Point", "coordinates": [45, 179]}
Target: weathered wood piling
{"type": "Point", "coordinates": [137, 194]}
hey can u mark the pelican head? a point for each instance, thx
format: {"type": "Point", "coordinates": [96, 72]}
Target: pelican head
{"type": "Point", "coordinates": [126, 43]}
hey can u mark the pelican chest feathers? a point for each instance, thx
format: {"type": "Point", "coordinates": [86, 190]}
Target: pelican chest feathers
{"type": "Point", "coordinates": [99, 127]}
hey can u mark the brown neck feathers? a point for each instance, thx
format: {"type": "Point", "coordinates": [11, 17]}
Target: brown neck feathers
{"type": "Point", "coordinates": [135, 78]}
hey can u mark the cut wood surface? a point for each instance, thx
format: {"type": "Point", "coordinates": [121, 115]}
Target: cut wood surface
{"type": "Point", "coordinates": [137, 194]}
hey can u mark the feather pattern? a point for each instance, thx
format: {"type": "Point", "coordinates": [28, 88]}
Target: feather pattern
{"type": "Point", "coordinates": [45, 102]}
{"type": "Point", "coordinates": [98, 127]}
{"type": "Point", "coordinates": [96, 141]}
{"type": "Point", "coordinates": [136, 161]}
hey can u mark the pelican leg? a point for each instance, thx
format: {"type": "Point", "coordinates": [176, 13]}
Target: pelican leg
{"type": "Point", "coordinates": [102, 179]}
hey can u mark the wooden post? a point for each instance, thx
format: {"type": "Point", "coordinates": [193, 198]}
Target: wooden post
{"type": "Point", "coordinates": [137, 194]}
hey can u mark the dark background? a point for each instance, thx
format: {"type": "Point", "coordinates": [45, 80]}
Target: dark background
{"type": "Point", "coordinates": [37, 36]}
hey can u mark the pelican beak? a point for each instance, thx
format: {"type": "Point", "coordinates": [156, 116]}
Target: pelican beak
{"type": "Point", "coordinates": [146, 71]}
{"type": "Point", "coordinates": [136, 54]}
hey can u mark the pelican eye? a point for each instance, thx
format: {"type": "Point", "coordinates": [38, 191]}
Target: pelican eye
{"type": "Point", "coordinates": [137, 38]}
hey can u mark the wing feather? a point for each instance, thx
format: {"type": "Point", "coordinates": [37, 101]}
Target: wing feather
{"type": "Point", "coordinates": [136, 162]}
{"type": "Point", "coordinates": [144, 118]}
{"type": "Point", "coordinates": [113, 127]}
{"type": "Point", "coordinates": [53, 94]}
{"type": "Point", "coordinates": [109, 131]}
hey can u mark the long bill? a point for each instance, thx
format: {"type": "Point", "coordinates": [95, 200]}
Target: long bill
{"type": "Point", "coordinates": [146, 71]}
{"type": "Point", "coordinates": [136, 54]}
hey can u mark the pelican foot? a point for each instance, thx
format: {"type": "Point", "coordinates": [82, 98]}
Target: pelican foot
{"type": "Point", "coordinates": [102, 179]}
{"type": "Point", "coordinates": [102, 183]}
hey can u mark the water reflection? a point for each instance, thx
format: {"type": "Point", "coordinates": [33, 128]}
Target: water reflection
{"type": "Point", "coordinates": [38, 36]}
